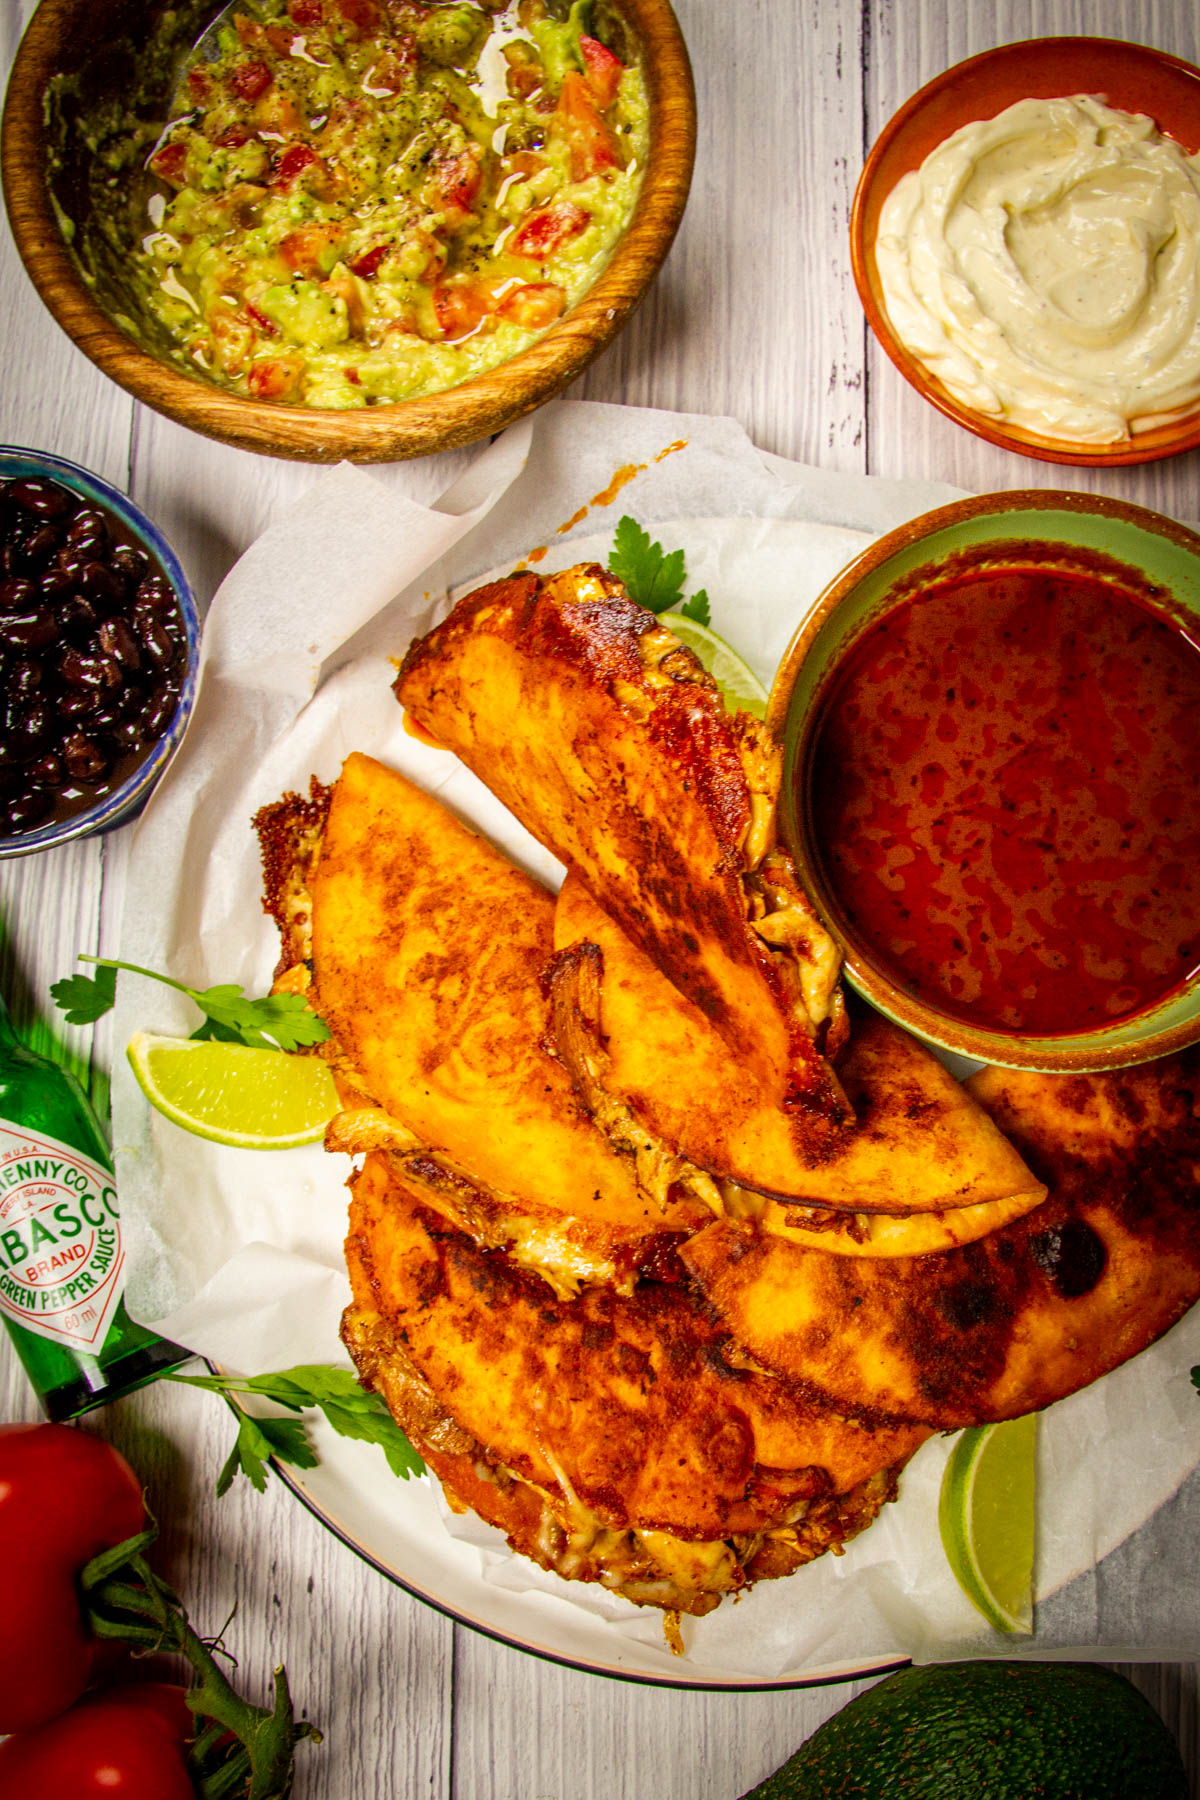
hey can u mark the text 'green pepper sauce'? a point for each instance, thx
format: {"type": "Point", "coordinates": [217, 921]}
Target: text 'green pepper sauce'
{"type": "Point", "coordinates": [366, 200]}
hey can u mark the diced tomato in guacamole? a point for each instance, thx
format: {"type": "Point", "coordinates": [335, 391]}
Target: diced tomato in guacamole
{"type": "Point", "coordinates": [363, 203]}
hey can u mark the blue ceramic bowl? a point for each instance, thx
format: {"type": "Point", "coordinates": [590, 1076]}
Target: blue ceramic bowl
{"type": "Point", "coordinates": [123, 802]}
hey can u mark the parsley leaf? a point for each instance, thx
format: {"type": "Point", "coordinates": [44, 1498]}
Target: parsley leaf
{"type": "Point", "coordinates": [257, 1441]}
{"type": "Point", "coordinates": [84, 1000]}
{"type": "Point", "coordinates": [697, 608]}
{"type": "Point", "coordinates": [653, 579]}
{"type": "Point", "coordinates": [351, 1410]}
{"type": "Point", "coordinates": [276, 1022]}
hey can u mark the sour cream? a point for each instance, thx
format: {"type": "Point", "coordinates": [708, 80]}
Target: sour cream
{"type": "Point", "coordinates": [1045, 267]}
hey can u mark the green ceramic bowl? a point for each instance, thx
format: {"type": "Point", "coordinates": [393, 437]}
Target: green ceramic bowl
{"type": "Point", "coordinates": [971, 534]}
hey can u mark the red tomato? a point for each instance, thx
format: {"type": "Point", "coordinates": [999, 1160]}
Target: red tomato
{"type": "Point", "coordinates": [275, 378]}
{"type": "Point", "coordinates": [362, 15]}
{"type": "Point", "coordinates": [295, 159]}
{"type": "Point", "coordinates": [250, 80]}
{"type": "Point", "coordinates": [124, 1744]}
{"type": "Point", "coordinates": [303, 249]}
{"type": "Point", "coordinates": [538, 304]}
{"type": "Point", "coordinates": [305, 13]}
{"type": "Point", "coordinates": [546, 230]}
{"type": "Point", "coordinates": [455, 179]}
{"type": "Point", "coordinates": [169, 163]}
{"type": "Point", "coordinates": [64, 1497]}
{"type": "Point", "coordinates": [601, 70]}
{"type": "Point", "coordinates": [268, 327]}
{"type": "Point", "coordinates": [593, 146]}
{"type": "Point", "coordinates": [460, 310]}
{"type": "Point", "coordinates": [368, 263]}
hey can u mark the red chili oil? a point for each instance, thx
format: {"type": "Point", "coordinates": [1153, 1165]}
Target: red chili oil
{"type": "Point", "coordinates": [1006, 798]}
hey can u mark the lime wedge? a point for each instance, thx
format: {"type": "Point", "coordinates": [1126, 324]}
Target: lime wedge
{"type": "Point", "coordinates": [233, 1093]}
{"type": "Point", "coordinates": [986, 1517]}
{"type": "Point", "coordinates": [740, 687]}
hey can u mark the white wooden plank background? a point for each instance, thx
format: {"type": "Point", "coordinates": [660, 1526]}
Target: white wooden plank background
{"type": "Point", "coordinates": [754, 316]}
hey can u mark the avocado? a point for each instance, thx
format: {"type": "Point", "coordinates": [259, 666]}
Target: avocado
{"type": "Point", "coordinates": [988, 1731]}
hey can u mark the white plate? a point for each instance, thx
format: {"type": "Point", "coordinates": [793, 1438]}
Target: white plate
{"type": "Point", "coordinates": [207, 1215]}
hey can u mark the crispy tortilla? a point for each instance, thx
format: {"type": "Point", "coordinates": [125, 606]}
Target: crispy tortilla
{"type": "Point", "coordinates": [653, 1456]}
{"type": "Point", "coordinates": [606, 738]}
{"type": "Point", "coordinates": [427, 948]}
{"type": "Point", "coordinates": [919, 1143]}
{"type": "Point", "coordinates": [1030, 1313]}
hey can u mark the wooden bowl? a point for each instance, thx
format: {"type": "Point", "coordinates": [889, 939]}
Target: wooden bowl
{"type": "Point", "coordinates": [1130, 77]}
{"type": "Point", "coordinates": [1162, 558]}
{"type": "Point", "coordinates": [73, 36]}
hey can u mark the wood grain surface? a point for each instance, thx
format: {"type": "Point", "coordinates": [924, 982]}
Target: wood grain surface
{"type": "Point", "coordinates": [754, 315]}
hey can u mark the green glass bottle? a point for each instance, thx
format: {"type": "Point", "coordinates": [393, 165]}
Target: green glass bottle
{"type": "Point", "coordinates": [62, 1267]}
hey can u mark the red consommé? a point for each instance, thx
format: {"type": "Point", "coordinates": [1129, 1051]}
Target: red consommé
{"type": "Point", "coordinates": [1005, 793]}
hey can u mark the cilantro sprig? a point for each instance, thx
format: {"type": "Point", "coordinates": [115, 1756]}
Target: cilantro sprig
{"type": "Point", "coordinates": [274, 1022]}
{"type": "Point", "coordinates": [653, 576]}
{"type": "Point", "coordinates": [349, 1408]}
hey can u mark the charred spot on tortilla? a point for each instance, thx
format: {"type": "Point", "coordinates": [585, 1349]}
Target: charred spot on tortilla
{"type": "Point", "coordinates": [1024, 1316]}
{"type": "Point", "coordinates": [1071, 1256]}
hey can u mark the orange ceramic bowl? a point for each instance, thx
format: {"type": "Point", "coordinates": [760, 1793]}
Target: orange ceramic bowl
{"type": "Point", "coordinates": [1130, 77]}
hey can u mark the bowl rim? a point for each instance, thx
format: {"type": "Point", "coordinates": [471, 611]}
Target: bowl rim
{"type": "Point", "coordinates": [1171, 439]}
{"type": "Point", "coordinates": [421, 426]}
{"type": "Point", "coordinates": [1085, 1051]}
{"type": "Point", "coordinates": [117, 807]}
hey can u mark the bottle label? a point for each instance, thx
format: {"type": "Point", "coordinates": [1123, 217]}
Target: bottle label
{"type": "Point", "coordinates": [62, 1267]}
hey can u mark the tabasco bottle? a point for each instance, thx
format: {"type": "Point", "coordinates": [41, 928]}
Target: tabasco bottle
{"type": "Point", "coordinates": [62, 1267]}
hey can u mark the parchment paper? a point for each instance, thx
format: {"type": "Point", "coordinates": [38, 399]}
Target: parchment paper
{"type": "Point", "coordinates": [237, 1254]}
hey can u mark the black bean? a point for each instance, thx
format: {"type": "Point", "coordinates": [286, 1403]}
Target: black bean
{"type": "Point", "coordinates": [37, 724]}
{"type": "Point", "coordinates": [157, 593]}
{"type": "Point", "coordinates": [89, 668]}
{"type": "Point", "coordinates": [54, 582]}
{"type": "Point", "coordinates": [80, 704]}
{"type": "Point", "coordinates": [132, 562]}
{"type": "Point", "coordinates": [29, 631]}
{"type": "Point", "coordinates": [119, 642]}
{"type": "Point", "coordinates": [26, 810]}
{"type": "Point", "coordinates": [84, 758]}
{"type": "Point", "coordinates": [44, 498]}
{"type": "Point", "coordinates": [71, 562]}
{"type": "Point", "coordinates": [89, 527]}
{"type": "Point", "coordinates": [156, 641]}
{"type": "Point", "coordinates": [47, 771]}
{"type": "Point", "coordinates": [131, 701]}
{"type": "Point", "coordinates": [37, 549]}
{"type": "Point", "coordinates": [17, 594]}
{"type": "Point", "coordinates": [102, 585]}
{"type": "Point", "coordinates": [160, 712]}
{"type": "Point", "coordinates": [77, 618]}
{"type": "Point", "coordinates": [25, 677]}
{"type": "Point", "coordinates": [127, 735]}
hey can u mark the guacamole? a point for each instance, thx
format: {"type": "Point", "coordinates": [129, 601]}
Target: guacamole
{"type": "Point", "coordinates": [365, 200]}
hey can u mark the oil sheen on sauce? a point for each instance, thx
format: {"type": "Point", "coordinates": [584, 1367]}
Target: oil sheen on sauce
{"type": "Point", "coordinates": [1006, 796]}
